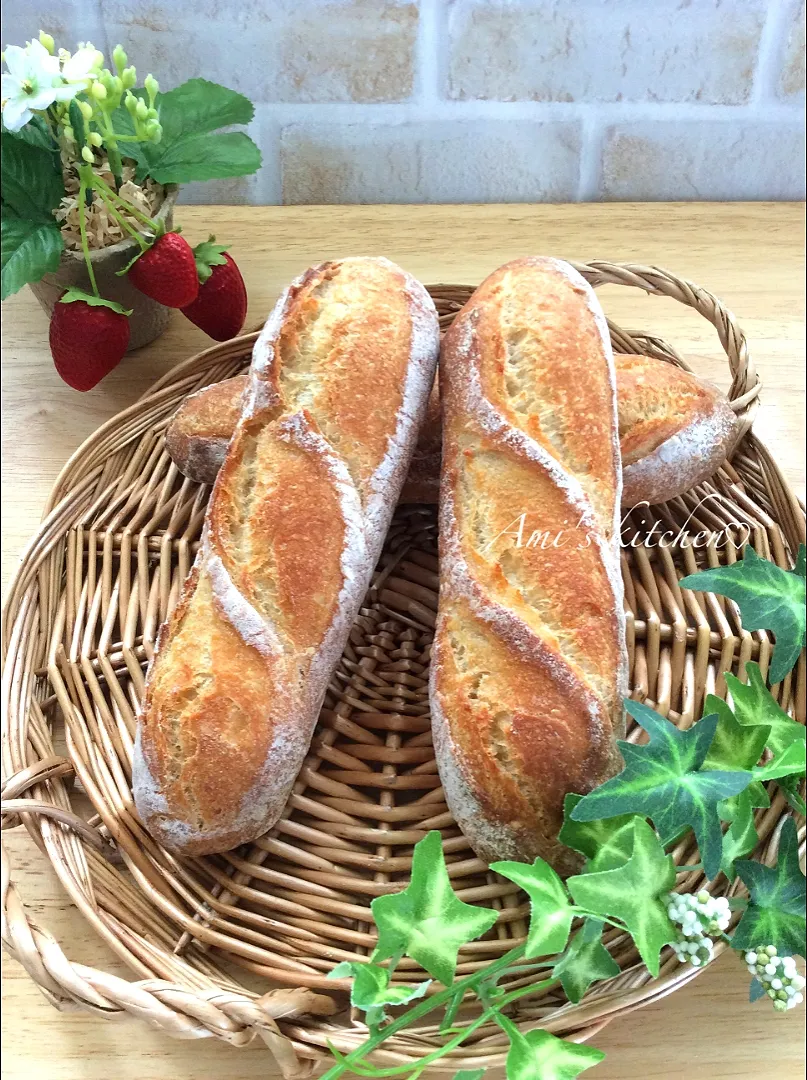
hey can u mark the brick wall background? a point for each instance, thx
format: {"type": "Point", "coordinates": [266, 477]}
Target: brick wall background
{"type": "Point", "coordinates": [362, 101]}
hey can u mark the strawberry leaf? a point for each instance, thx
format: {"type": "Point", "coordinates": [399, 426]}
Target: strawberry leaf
{"type": "Point", "coordinates": [775, 912]}
{"type": "Point", "coordinates": [768, 597]}
{"type": "Point", "coordinates": [664, 780]}
{"type": "Point", "coordinates": [30, 249]}
{"type": "Point", "coordinates": [754, 705]}
{"type": "Point", "coordinates": [632, 893]}
{"type": "Point", "coordinates": [207, 255]}
{"type": "Point", "coordinates": [428, 921]}
{"type": "Point", "coordinates": [541, 1054]}
{"type": "Point", "coordinates": [73, 294]}
{"type": "Point", "coordinates": [585, 961]}
{"type": "Point", "coordinates": [371, 987]}
{"type": "Point", "coordinates": [551, 913]}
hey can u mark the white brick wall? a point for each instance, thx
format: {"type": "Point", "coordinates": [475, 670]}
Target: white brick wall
{"type": "Point", "coordinates": [480, 100]}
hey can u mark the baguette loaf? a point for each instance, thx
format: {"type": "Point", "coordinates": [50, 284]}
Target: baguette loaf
{"type": "Point", "coordinates": [529, 664]}
{"type": "Point", "coordinates": [338, 386]}
{"type": "Point", "coordinates": [675, 430]}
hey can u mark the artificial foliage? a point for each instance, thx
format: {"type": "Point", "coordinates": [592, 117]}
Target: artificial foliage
{"type": "Point", "coordinates": [705, 782]}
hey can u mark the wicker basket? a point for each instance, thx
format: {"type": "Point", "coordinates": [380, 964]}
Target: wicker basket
{"type": "Point", "coordinates": [206, 936]}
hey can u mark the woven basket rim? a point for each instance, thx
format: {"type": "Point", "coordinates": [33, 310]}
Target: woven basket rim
{"type": "Point", "coordinates": [34, 792]}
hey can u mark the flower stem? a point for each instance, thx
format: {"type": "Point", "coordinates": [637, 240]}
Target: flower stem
{"type": "Point", "coordinates": [82, 228]}
{"type": "Point", "coordinates": [103, 188]}
{"type": "Point", "coordinates": [121, 220]}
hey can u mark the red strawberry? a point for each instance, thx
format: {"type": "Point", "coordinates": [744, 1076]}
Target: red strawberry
{"type": "Point", "coordinates": [167, 271]}
{"type": "Point", "coordinates": [221, 306]}
{"type": "Point", "coordinates": [88, 337]}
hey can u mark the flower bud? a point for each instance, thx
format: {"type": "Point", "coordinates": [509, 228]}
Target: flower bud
{"type": "Point", "coordinates": [129, 77]}
{"type": "Point", "coordinates": [141, 109]}
{"type": "Point", "coordinates": [47, 42]}
{"type": "Point", "coordinates": [94, 139]}
{"type": "Point", "coordinates": [152, 114]}
{"type": "Point", "coordinates": [86, 110]}
{"type": "Point", "coordinates": [88, 155]}
{"type": "Point", "coordinates": [130, 101]}
{"type": "Point", "coordinates": [98, 91]}
{"type": "Point", "coordinates": [154, 131]}
{"type": "Point", "coordinates": [152, 87]}
{"type": "Point", "coordinates": [119, 58]}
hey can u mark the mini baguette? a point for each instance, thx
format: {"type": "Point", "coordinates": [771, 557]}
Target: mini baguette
{"type": "Point", "coordinates": [529, 665]}
{"type": "Point", "coordinates": [675, 431]}
{"type": "Point", "coordinates": [338, 387]}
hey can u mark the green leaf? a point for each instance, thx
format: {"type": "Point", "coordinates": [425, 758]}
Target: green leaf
{"type": "Point", "coordinates": [768, 597]}
{"type": "Point", "coordinates": [631, 893]}
{"type": "Point", "coordinates": [30, 249]}
{"type": "Point", "coordinates": [205, 157]}
{"type": "Point", "coordinates": [371, 987]}
{"type": "Point", "coordinates": [31, 180]}
{"type": "Point", "coordinates": [198, 106]}
{"type": "Point", "coordinates": [790, 762]}
{"type": "Point", "coordinates": [551, 913]}
{"type": "Point", "coordinates": [74, 293]}
{"type": "Point", "coordinates": [588, 837]}
{"type": "Point", "coordinates": [735, 745]}
{"type": "Point", "coordinates": [741, 837]}
{"type": "Point", "coordinates": [775, 912]}
{"type": "Point", "coordinates": [208, 254]}
{"type": "Point", "coordinates": [790, 787]}
{"type": "Point", "coordinates": [469, 1074]}
{"type": "Point", "coordinates": [585, 961]}
{"type": "Point", "coordinates": [539, 1055]}
{"type": "Point", "coordinates": [36, 133]}
{"type": "Point", "coordinates": [427, 921]}
{"type": "Point", "coordinates": [754, 705]}
{"type": "Point", "coordinates": [756, 990]}
{"type": "Point", "coordinates": [664, 781]}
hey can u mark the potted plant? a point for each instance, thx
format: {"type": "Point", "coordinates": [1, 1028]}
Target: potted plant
{"type": "Point", "coordinates": [91, 166]}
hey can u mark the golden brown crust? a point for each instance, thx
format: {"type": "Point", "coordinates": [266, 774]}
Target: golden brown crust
{"type": "Point", "coordinates": [662, 412]}
{"type": "Point", "coordinates": [294, 526]}
{"type": "Point", "coordinates": [529, 665]}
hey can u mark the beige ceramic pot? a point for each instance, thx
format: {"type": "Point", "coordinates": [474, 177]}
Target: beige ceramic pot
{"type": "Point", "coordinates": [148, 318]}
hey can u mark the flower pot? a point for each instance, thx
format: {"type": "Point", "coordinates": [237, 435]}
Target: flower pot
{"type": "Point", "coordinates": [148, 318]}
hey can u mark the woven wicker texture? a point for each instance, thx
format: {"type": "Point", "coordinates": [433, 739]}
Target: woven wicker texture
{"type": "Point", "coordinates": [205, 935]}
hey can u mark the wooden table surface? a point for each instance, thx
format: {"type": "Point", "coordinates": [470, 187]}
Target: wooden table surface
{"type": "Point", "coordinates": [751, 255]}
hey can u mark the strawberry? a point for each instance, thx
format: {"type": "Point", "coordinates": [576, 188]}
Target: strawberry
{"type": "Point", "coordinates": [88, 337]}
{"type": "Point", "coordinates": [221, 306]}
{"type": "Point", "coordinates": [167, 271]}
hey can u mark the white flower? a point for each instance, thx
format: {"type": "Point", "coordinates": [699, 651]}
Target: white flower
{"type": "Point", "coordinates": [82, 66]}
{"type": "Point", "coordinates": [778, 976]}
{"type": "Point", "coordinates": [33, 82]}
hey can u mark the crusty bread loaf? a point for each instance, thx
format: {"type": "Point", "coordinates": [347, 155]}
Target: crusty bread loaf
{"type": "Point", "coordinates": [338, 386]}
{"type": "Point", "coordinates": [528, 668]}
{"type": "Point", "coordinates": [675, 430]}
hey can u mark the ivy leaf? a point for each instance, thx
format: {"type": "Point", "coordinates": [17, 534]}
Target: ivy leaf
{"type": "Point", "coordinates": [31, 180]}
{"type": "Point", "coordinates": [790, 787]}
{"type": "Point", "coordinates": [756, 990]}
{"type": "Point", "coordinates": [735, 745]}
{"type": "Point", "coordinates": [551, 913]}
{"type": "Point", "coordinates": [768, 597]}
{"type": "Point", "coordinates": [775, 912]}
{"type": "Point", "coordinates": [631, 893]}
{"type": "Point", "coordinates": [30, 249]}
{"type": "Point", "coordinates": [427, 921]}
{"type": "Point", "coordinates": [664, 781]}
{"type": "Point", "coordinates": [371, 987]}
{"type": "Point", "coordinates": [541, 1054]}
{"type": "Point", "coordinates": [588, 837]}
{"type": "Point", "coordinates": [741, 837]}
{"type": "Point", "coordinates": [585, 961]}
{"type": "Point", "coordinates": [754, 704]}
{"type": "Point", "coordinates": [792, 761]}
